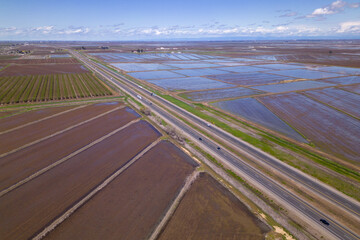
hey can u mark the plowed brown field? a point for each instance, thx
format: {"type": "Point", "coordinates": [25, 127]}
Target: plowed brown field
{"type": "Point", "coordinates": [17, 138]}
{"type": "Point", "coordinates": [41, 69]}
{"type": "Point", "coordinates": [26, 210]}
{"type": "Point", "coordinates": [21, 119]}
{"type": "Point", "coordinates": [21, 164]}
{"type": "Point", "coordinates": [131, 205]}
{"type": "Point", "coordinates": [209, 211]}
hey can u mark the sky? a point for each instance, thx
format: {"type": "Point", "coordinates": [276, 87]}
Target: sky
{"type": "Point", "coordinates": [112, 20]}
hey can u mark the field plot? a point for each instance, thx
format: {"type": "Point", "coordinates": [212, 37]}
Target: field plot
{"type": "Point", "coordinates": [193, 65]}
{"type": "Point", "coordinates": [39, 61]}
{"type": "Point", "coordinates": [134, 202]}
{"type": "Point", "coordinates": [249, 79]}
{"type": "Point", "coordinates": [343, 80]}
{"type": "Point", "coordinates": [220, 94]}
{"type": "Point", "coordinates": [280, 66]}
{"type": "Point", "coordinates": [17, 89]}
{"type": "Point", "coordinates": [60, 55]}
{"type": "Point", "coordinates": [342, 100]}
{"type": "Point", "coordinates": [17, 138]}
{"type": "Point", "coordinates": [305, 73]}
{"type": "Point", "coordinates": [241, 69]}
{"type": "Point", "coordinates": [190, 83]}
{"type": "Point", "coordinates": [353, 88]}
{"type": "Point", "coordinates": [292, 86]}
{"type": "Point", "coordinates": [200, 72]}
{"type": "Point", "coordinates": [30, 160]}
{"type": "Point", "coordinates": [254, 111]}
{"type": "Point", "coordinates": [329, 129]}
{"type": "Point", "coordinates": [131, 57]}
{"type": "Point", "coordinates": [209, 211]}
{"type": "Point", "coordinates": [155, 75]}
{"type": "Point", "coordinates": [42, 69]}
{"type": "Point", "coordinates": [24, 118]}
{"type": "Point", "coordinates": [341, 70]}
{"type": "Point", "coordinates": [36, 203]}
{"type": "Point", "coordinates": [134, 67]}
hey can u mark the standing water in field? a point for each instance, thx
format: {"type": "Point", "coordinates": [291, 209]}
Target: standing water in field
{"type": "Point", "coordinates": [253, 110]}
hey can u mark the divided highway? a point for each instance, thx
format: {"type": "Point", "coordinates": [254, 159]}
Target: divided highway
{"type": "Point", "coordinates": [262, 181]}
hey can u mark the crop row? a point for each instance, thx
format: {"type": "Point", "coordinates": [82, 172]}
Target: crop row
{"type": "Point", "coordinates": [30, 88]}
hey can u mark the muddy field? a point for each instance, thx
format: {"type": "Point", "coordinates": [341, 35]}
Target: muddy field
{"type": "Point", "coordinates": [17, 138]}
{"type": "Point", "coordinates": [36, 203]}
{"type": "Point", "coordinates": [39, 61]}
{"type": "Point", "coordinates": [42, 69]}
{"type": "Point", "coordinates": [120, 210]}
{"type": "Point", "coordinates": [23, 163]}
{"type": "Point", "coordinates": [23, 118]}
{"type": "Point", "coordinates": [210, 211]}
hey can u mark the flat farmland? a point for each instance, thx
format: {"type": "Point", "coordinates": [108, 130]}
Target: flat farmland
{"type": "Point", "coordinates": [254, 111]}
{"type": "Point", "coordinates": [353, 88]}
{"type": "Point", "coordinates": [133, 203]}
{"type": "Point", "coordinates": [190, 83]}
{"type": "Point", "coordinates": [340, 99]}
{"type": "Point", "coordinates": [27, 117]}
{"type": "Point", "coordinates": [39, 61]}
{"type": "Point", "coordinates": [292, 86]}
{"type": "Point", "coordinates": [21, 164]}
{"type": "Point", "coordinates": [220, 93]}
{"type": "Point", "coordinates": [249, 79]}
{"type": "Point", "coordinates": [210, 211]}
{"type": "Point", "coordinates": [31, 88]}
{"type": "Point", "coordinates": [42, 69]}
{"type": "Point", "coordinates": [19, 137]}
{"type": "Point", "coordinates": [330, 130]}
{"type": "Point", "coordinates": [28, 209]}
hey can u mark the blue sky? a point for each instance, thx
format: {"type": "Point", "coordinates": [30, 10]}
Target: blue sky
{"type": "Point", "coordinates": [155, 19]}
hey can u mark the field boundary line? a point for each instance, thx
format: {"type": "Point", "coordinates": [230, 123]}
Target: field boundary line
{"type": "Point", "coordinates": [42, 119]}
{"type": "Point", "coordinates": [108, 180]}
{"type": "Point", "coordinates": [59, 132]}
{"type": "Point", "coordinates": [64, 159]}
{"type": "Point", "coordinates": [188, 182]}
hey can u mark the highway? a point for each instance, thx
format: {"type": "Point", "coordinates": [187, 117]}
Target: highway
{"type": "Point", "coordinates": [252, 175]}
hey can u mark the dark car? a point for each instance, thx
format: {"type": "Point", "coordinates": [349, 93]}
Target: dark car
{"type": "Point", "coordinates": [218, 148]}
{"type": "Point", "coordinates": [324, 222]}
{"type": "Point", "coordinates": [200, 139]}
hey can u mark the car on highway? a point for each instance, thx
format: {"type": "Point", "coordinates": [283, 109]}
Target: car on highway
{"type": "Point", "coordinates": [200, 138]}
{"type": "Point", "coordinates": [218, 148]}
{"type": "Point", "coordinates": [324, 222]}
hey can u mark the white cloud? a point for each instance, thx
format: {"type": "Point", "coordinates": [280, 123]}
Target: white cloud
{"type": "Point", "coordinates": [335, 7]}
{"type": "Point", "coordinates": [349, 27]}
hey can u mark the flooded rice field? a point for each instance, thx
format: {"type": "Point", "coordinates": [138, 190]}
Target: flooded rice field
{"type": "Point", "coordinates": [330, 130]}
{"type": "Point", "coordinates": [306, 73]}
{"type": "Point", "coordinates": [190, 83]}
{"type": "Point", "coordinates": [292, 86]}
{"type": "Point", "coordinates": [155, 75]}
{"type": "Point", "coordinates": [337, 98]}
{"type": "Point", "coordinates": [249, 79]}
{"type": "Point", "coordinates": [254, 111]}
{"type": "Point", "coordinates": [201, 72]}
{"type": "Point", "coordinates": [135, 67]}
{"type": "Point", "coordinates": [220, 93]}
